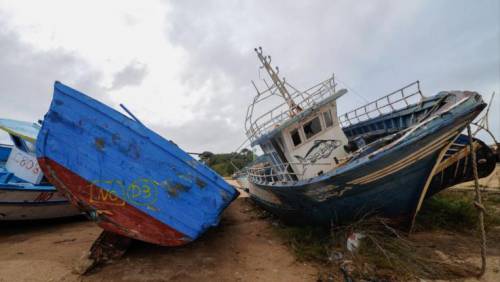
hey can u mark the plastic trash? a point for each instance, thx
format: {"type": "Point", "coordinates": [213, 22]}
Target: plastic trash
{"type": "Point", "coordinates": [353, 241]}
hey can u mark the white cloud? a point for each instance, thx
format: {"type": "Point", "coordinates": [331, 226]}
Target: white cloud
{"type": "Point", "coordinates": [184, 67]}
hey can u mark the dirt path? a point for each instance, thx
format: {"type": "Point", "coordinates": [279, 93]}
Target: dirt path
{"type": "Point", "coordinates": [242, 248]}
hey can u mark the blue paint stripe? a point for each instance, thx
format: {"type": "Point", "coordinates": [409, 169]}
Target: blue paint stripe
{"type": "Point", "coordinates": [31, 189]}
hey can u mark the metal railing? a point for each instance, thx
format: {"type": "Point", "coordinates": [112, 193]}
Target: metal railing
{"type": "Point", "coordinates": [278, 173]}
{"type": "Point", "coordinates": [271, 119]}
{"type": "Point", "coordinates": [396, 100]}
{"type": "Point", "coordinates": [272, 173]}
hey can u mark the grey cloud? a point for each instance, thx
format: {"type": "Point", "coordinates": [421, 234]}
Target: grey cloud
{"type": "Point", "coordinates": [374, 47]}
{"type": "Point", "coordinates": [131, 75]}
{"type": "Point", "coordinates": [196, 136]}
{"type": "Point", "coordinates": [27, 76]}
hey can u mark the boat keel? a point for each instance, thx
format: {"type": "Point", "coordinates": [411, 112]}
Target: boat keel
{"type": "Point", "coordinates": [107, 247]}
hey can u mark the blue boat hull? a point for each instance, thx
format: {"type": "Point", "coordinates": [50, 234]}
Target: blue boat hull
{"type": "Point", "coordinates": [128, 178]}
{"type": "Point", "coordinates": [388, 183]}
{"type": "Point", "coordinates": [394, 197]}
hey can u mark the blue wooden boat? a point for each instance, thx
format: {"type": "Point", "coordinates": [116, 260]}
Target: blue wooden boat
{"type": "Point", "coordinates": [129, 179]}
{"type": "Point", "coordinates": [383, 158]}
{"type": "Point", "coordinates": [24, 193]}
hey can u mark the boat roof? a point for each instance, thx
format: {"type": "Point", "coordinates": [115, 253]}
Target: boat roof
{"type": "Point", "coordinates": [301, 116]}
{"type": "Point", "coordinates": [22, 129]}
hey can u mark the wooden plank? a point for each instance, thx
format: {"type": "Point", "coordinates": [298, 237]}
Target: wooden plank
{"type": "Point", "coordinates": [455, 157]}
{"type": "Point", "coordinates": [426, 186]}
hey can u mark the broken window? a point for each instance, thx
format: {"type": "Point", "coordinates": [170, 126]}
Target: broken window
{"type": "Point", "coordinates": [295, 137]}
{"type": "Point", "coordinates": [312, 127]}
{"type": "Point", "coordinates": [328, 118]}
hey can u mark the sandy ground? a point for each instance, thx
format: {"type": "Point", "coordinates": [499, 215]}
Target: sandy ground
{"type": "Point", "coordinates": [242, 248]}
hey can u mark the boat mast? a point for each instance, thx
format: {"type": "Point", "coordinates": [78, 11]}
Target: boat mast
{"type": "Point", "coordinates": [280, 84]}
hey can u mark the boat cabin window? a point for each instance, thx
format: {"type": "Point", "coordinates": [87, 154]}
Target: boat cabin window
{"type": "Point", "coordinates": [295, 137]}
{"type": "Point", "coordinates": [328, 118]}
{"type": "Point", "coordinates": [312, 127]}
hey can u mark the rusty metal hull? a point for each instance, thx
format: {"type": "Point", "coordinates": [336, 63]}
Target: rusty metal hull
{"type": "Point", "coordinates": [129, 179]}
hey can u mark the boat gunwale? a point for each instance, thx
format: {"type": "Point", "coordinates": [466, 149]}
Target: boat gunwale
{"type": "Point", "coordinates": [138, 128]}
{"type": "Point", "coordinates": [33, 203]}
{"type": "Point", "coordinates": [369, 159]}
{"type": "Point", "coordinates": [28, 188]}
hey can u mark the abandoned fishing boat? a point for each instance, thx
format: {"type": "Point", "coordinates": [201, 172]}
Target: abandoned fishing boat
{"type": "Point", "coordinates": [24, 193]}
{"type": "Point", "coordinates": [127, 178]}
{"type": "Point", "coordinates": [383, 158]}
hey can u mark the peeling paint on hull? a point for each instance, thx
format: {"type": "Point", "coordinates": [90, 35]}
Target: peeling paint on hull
{"type": "Point", "coordinates": [387, 182]}
{"type": "Point", "coordinates": [124, 219]}
{"type": "Point", "coordinates": [129, 179]}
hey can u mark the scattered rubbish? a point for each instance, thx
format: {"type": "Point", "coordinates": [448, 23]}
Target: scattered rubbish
{"type": "Point", "coordinates": [347, 268]}
{"type": "Point", "coordinates": [24, 193]}
{"type": "Point", "coordinates": [353, 241]}
{"type": "Point", "coordinates": [336, 256]}
{"type": "Point", "coordinates": [384, 157]}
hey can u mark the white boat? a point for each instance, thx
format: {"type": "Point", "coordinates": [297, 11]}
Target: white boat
{"type": "Point", "coordinates": [24, 192]}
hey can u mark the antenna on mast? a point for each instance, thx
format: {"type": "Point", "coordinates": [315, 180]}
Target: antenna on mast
{"type": "Point", "coordinates": [280, 84]}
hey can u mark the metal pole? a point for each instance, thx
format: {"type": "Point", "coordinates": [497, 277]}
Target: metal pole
{"type": "Point", "coordinates": [131, 114]}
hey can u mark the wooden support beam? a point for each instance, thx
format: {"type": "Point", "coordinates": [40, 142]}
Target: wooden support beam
{"type": "Point", "coordinates": [455, 157]}
{"type": "Point", "coordinates": [427, 184]}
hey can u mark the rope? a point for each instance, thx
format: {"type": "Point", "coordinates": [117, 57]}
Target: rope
{"type": "Point", "coordinates": [478, 204]}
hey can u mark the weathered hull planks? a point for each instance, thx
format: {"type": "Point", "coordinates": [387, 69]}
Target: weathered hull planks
{"type": "Point", "coordinates": [131, 178]}
{"type": "Point", "coordinates": [110, 212]}
{"type": "Point", "coordinates": [388, 182]}
{"type": "Point", "coordinates": [392, 196]}
{"type": "Point", "coordinates": [17, 203]}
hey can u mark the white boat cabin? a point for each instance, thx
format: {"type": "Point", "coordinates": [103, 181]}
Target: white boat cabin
{"type": "Point", "coordinates": [21, 160]}
{"type": "Point", "coordinates": [302, 135]}
{"type": "Point", "coordinates": [311, 145]}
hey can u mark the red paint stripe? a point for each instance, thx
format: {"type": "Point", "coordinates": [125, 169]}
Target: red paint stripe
{"type": "Point", "coordinates": [115, 216]}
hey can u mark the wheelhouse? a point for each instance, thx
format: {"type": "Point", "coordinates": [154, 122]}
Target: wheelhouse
{"type": "Point", "coordinates": [302, 135]}
{"type": "Point", "coordinates": [305, 137]}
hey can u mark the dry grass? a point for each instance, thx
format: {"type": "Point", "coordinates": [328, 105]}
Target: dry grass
{"type": "Point", "coordinates": [453, 210]}
{"type": "Point", "coordinates": [388, 254]}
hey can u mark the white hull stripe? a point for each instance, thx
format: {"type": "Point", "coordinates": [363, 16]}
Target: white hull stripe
{"type": "Point", "coordinates": [400, 165]}
{"type": "Point", "coordinates": [420, 154]}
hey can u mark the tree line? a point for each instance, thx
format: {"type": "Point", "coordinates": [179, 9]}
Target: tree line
{"type": "Point", "coordinates": [228, 163]}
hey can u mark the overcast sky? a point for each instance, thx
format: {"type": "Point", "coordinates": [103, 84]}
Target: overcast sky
{"type": "Point", "coordinates": [184, 67]}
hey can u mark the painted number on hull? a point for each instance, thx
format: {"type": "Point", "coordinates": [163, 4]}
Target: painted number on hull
{"type": "Point", "coordinates": [109, 196]}
{"type": "Point", "coordinates": [24, 166]}
{"type": "Point", "coordinates": [142, 192]}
